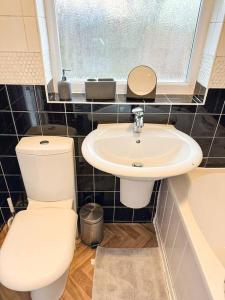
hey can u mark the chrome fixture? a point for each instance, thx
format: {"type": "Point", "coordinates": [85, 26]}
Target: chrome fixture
{"type": "Point", "coordinates": [138, 119]}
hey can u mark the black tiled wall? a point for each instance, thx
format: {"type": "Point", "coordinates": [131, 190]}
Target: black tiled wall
{"type": "Point", "coordinates": [25, 112]}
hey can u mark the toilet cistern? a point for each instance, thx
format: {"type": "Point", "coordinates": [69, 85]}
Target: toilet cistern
{"type": "Point", "coordinates": [138, 119]}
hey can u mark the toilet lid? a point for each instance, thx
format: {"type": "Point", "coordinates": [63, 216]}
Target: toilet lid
{"type": "Point", "coordinates": [38, 248]}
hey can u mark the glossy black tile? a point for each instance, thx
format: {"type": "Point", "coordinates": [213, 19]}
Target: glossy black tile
{"type": "Point", "coordinates": [215, 162]}
{"type": "Point", "coordinates": [15, 183]}
{"type": "Point", "coordinates": [8, 144]}
{"type": "Point", "coordinates": [103, 119]}
{"type": "Point", "coordinates": [80, 122]}
{"type": "Point", "coordinates": [27, 123]}
{"type": "Point", "coordinates": [10, 165]}
{"type": "Point", "coordinates": [218, 148]}
{"type": "Point", "coordinates": [214, 102]}
{"type": "Point", "coordinates": [105, 108]}
{"type": "Point", "coordinates": [183, 109]}
{"type": "Point", "coordinates": [6, 213]}
{"type": "Point", "coordinates": [123, 214]}
{"type": "Point", "coordinates": [22, 98]}
{"type": "Point", "coordinates": [156, 186]}
{"type": "Point", "coordinates": [181, 99]}
{"type": "Point", "coordinates": [82, 167]}
{"type": "Point", "coordinates": [19, 199]}
{"type": "Point", "coordinates": [78, 108]}
{"type": "Point", "coordinates": [104, 183]}
{"type": "Point", "coordinates": [221, 127]}
{"type": "Point", "coordinates": [153, 199]}
{"type": "Point", "coordinates": [3, 199]}
{"type": "Point", "coordinates": [3, 187]}
{"type": "Point", "coordinates": [117, 187]}
{"type": "Point", "coordinates": [204, 143]}
{"type": "Point", "coordinates": [85, 197]}
{"type": "Point", "coordinates": [42, 101]}
{"type": "Point", "coordinates": [2, 221]}
{"type": "Point", "coordinates": [4, 103]}
{"type": "Point", "coordinates": [203, 163]}
{"type": "Point", "coordinates": [156, 118]}
{"type": "Point", "coordinates": [182, 122]}
{"type": "Point", "coordinates": [6, 123]}
{"type": "Point", "coordinates": [108, 214]}
{"type": "Point", "coordinates": [99, 172]}
{"type": "Point", "coordinates": [125, 118]}
{"type": "Point", "coordinates": [204, 125]}
{"type": "Point", "coordinates": [53, 123]}
{"type": "Point", "coordinates": [158, 109]}
{"type": "Point", "coordinates": [117, 200]}
{"type": "Point", "coordinates": [127, 108]}
{"type": "Point", "coordinates": [77, 145]}
{"type": "Point", "coordinates": [85, 183]}
{"type": "Point", "coordinates": [105, 198]}
{"type": "Point", "coordinates": [143, 215]}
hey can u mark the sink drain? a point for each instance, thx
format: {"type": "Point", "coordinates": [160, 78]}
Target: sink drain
{"type": "Point", "coordinates": [137, 164]}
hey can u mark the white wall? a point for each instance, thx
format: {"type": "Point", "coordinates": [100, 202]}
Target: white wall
{"type": "Point", "coordinates": [24, 47]}
{"type": "Point", "coordinates": [217, 79]}
{"type": "Point", "coordinates": [211, 73]}
{"type": "Point", "coordinates": [21, 47]}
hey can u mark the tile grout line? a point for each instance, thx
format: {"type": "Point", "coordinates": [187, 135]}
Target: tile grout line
{"type": "Point", "coordinates": [174, 241]}
{"type": "Point", "coordinates": [165, 204]}
{"type": "Point", "coordinates": [168, 120]}
{"type": "Point", "coordinates": [38, 111]}
{"type": "Point", "coordinates": [168, 226]}
{"type": "Point", "coordinates": [181, 259]}
{"type": "Point", "coordinates": [114, 210]}
{"type": "Point", "coordinates": [14, 123]}
{"type": "Point", "coordinates": [192, 126]}
{"type": "Point", "coordinates": [154, 204]}
{"type": "Point", "coordinates": [2, 216]}
{"type": "Point", "coordinates": [8, 191]}
{"type": "Point", "coordinates": [67, 129]}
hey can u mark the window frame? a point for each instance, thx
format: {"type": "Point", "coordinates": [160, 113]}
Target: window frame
{"type": "Point", "coordinates": [162, 87]}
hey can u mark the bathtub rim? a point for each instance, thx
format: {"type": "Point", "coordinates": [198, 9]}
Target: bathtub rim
{"type": "Point", "coordinates": [212, 270]}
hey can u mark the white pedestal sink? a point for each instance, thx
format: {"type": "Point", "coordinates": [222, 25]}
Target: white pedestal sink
{"type": "Point", "coordinates": [139, 159]}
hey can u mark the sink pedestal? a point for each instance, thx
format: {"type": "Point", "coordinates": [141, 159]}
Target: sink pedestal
{"type": "Point", "coordinates": [135, 193]}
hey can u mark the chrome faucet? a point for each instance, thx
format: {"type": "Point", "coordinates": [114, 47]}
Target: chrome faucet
{"type": "Point", "coordinates": [138, 119]}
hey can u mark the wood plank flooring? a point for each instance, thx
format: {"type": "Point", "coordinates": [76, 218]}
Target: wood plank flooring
{"type": "Point", "coordinates": [79, 283]}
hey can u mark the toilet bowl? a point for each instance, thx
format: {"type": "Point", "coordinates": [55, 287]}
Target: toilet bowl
{"type": "Point", "coordinates": [39, 247]}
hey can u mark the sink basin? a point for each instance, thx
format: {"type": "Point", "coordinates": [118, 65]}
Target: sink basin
{"type": "Point", "coordinates": [157, 152]}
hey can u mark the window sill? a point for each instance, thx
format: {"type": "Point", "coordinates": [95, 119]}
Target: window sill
{"type": "Point", "coordinates": [161, 99]}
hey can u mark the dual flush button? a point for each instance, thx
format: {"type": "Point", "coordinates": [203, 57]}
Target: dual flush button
{"type": "Point", "coordinates": [44, 142]}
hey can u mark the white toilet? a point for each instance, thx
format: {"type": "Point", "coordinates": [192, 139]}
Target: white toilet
{"type": "Point", "coordinates": [39, 246]}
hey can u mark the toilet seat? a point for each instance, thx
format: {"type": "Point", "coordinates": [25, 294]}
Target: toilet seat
{"type": "Point", "coordinates": [38, 248]}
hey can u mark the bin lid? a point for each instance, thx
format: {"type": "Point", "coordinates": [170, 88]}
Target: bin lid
{"type": "Point", "coordinates": [91, 213]}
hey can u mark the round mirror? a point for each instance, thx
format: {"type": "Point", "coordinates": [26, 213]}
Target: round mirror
{"type": "Point", "coordinates": [142, 80]}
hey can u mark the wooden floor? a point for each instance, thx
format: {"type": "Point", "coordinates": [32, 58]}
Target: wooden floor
{"type": "Point", "coordinates": [79, 284]}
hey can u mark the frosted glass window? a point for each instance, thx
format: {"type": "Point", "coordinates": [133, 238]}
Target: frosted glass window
{"type": "Point", "coordinates": [107, 38]}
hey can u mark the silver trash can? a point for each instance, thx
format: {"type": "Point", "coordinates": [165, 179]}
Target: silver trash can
{"type": "Point", "coordinates": [91, 224]}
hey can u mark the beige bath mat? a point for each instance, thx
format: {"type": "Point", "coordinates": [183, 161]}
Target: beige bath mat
{"type": "Point", "coordinates": [129, 274]}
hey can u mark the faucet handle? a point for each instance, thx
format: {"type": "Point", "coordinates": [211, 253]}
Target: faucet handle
{"type": "Point", "coordinates": [138, 110]}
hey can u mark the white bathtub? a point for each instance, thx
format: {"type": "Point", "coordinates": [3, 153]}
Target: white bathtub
{"type": "Point", "coordinates": [190, 225]}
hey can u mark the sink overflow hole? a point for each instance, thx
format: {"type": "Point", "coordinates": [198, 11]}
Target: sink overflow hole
{"type": "Point", "coordinates": [138, 141]}
{"type": "Point", "coordinates": [137, 164]}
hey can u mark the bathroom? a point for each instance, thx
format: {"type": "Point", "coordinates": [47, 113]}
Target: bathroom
{"type": "Point", "coordinates": [112, 149]}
